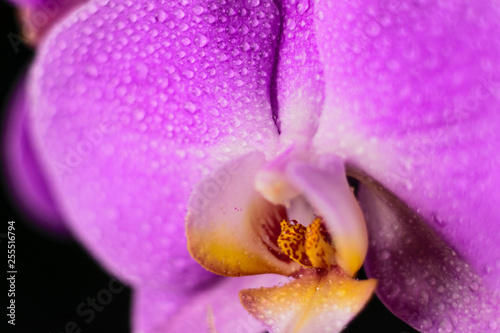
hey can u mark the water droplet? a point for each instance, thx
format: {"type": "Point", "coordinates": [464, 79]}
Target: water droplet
{"type": "Point", "coordinates": [92, 70]}
{"type": "Point", "coordinates": [439, 221]}
{"type": "Point", "coordinates": [269, 322]}
{"type": "Point", "coordinates": [132, 18]}
{"type": "Point", "coordinates": [254, 3]}
{"type": "Point", "coordinates": [245, 46]}
{"type": "Point", "coordinates": [101, 57]}
{"type": "Point", "coordinates": [213, 132]}
{"type": "Point", "coordinates": [214, 112]}
{"type": "Point", "coordinates": [141, 71]}
{"type": "Point", "coordinates": [425, 324]}
{"type": "Point", "coordinates": [179, 14]}
{"type": "Point", "coordinates": [139, 114]}
{"type": "Point", "coordinates": [372, 29]}
{"type": "Point", "coordinates": [244, 30]}
{"type": "Point", "coordinates": [190, 106]}
{"type": "Point", "coordinates": [223, 101]}
{"type": "Point", "coordinates": [201, 40]}
{"type": "Point", "coordinates": [198, 10]}
{"type": "Point", "coordinates": [385, 254]}
{"type": "Point", "coordinates": [395, 290]}
{"type": "Point", "coordinates": [302, 6]}
{"type": "Point", "coordinates": [445, 326]}
{"type": "Point", "coordinates": [189, 74]}
{"type": "Point", "coordinates": [474, 286]}
{"type": "Point", "coordinates": [410, 281]}
{"type": "Point", "coordinates": [162, 16]}
{"type": "Point", "coordinates": [423, 297]}
{"type": "Point", "coordinates": [341, 292]}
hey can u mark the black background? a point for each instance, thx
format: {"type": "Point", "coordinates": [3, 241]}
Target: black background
{"type": "Point", "coordinates": [56, 275]}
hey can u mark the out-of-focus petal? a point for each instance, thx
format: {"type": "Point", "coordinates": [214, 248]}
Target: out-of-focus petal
{"type": "Point", "coordinates": [310, 303]}
{"type": "Point", "coordinates": [26, 2]}
{"type": "Point", "coordinates": [327, 189]}
{"type": "Point", "coordinates": [421, 279]}
{"type": "Point", "coordinates": [22, 167]}
{"type": "Point", "coordinates": [136, 101]}
{"type": "Point", "coordinates": [38, 16]}
{"type": "Point", "coordinates": [299, 75]}
{"type": "Point", "coordinates": [230, 227]}
{"type": "Point", "coordinates": [201, 310]}
{"type": "Point", "coordinates": [412, 98]}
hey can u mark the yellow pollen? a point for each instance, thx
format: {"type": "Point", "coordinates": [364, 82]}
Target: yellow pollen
{"type": "Point", "coordinates": [307, 246]}
{"type": "Point", "coordinates": [319, 250]}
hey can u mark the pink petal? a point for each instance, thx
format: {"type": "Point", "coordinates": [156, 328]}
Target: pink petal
{"type": "Point", "coordinates": [134, 103]}
{"type": "Point", "coordinates": [412, 99]}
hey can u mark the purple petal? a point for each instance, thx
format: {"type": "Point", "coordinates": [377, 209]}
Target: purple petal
{"type": "Point", "coordinates": [23, 171]}
{"type": "Point", "coordinates": [420, 277]}
{"type": "Point", "coordinates": [156, 311]}
{"type": "Point", "coordinates": [412, 99]}
{"type": "Point", "coordinates": [134, 103]}
{"type": "Point", "coordinates": [407, 102]}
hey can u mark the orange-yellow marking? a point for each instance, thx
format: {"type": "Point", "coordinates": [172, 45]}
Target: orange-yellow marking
{"type": "Point", "coordinates": [319, 251]}
{"type": "Point", "coordinates": [292, 242]}
{"type": "Point", "coordinates": [307, 246]}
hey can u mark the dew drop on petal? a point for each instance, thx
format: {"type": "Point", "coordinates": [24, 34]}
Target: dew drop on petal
{"type": "Point", "coordinates": [445, 326]}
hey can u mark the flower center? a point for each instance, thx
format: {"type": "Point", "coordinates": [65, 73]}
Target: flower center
{"type": "Point", "coordinates": [309, 246]}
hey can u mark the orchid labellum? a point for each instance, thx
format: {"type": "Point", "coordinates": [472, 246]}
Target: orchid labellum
{"type": "Point", "coordinates": [227, 132]}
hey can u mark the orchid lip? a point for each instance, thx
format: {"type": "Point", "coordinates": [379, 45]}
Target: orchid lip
{"type": "Point", "coordinates": [321, 192]}
{"type": "Point", "coordinates": [236, 232]}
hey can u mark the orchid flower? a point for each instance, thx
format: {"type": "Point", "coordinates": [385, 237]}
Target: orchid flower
{"type": "Point", "coordinates": [184, 138]}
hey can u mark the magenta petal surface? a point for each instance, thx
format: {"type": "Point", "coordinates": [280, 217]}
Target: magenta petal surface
{"type": "Point", "coordinates": [24, 175]}
{"type": "Point", "coordinates": [134, 103]}
{"type": "Point", "coordinates": [217, 307]}
{"type": "Point", "coordinates": [412, 98]}
{"type": "Point", "coordinates": [421, 279]}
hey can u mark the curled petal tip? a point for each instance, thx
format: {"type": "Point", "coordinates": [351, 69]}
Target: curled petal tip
{"type": "Point", "coordinates": [328, 190]}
